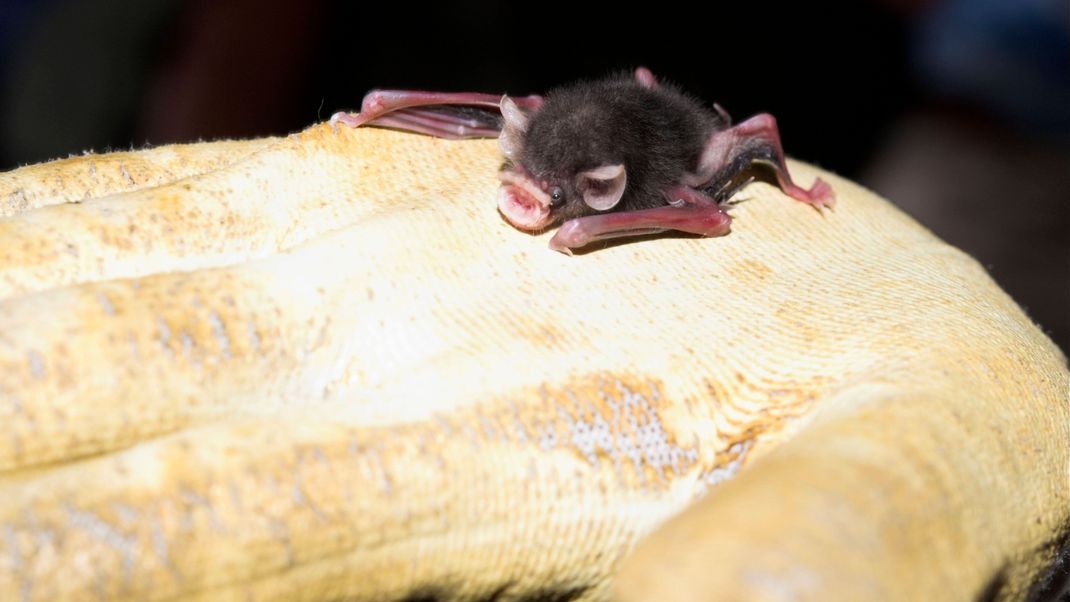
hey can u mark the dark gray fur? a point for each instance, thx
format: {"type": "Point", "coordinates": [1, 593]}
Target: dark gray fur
{"type": "Point", "coordinates": [658, 134]}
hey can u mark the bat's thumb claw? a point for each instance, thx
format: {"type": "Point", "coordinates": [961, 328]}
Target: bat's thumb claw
{"type": "Point", "coordinates": [569, 235]}
{"type": "Point", "coordinates": [344, 118]}
{"type": "Point", "coordinates": [557, 245]}
{"type": "Point", "coordinates": [822, 194]}
{"type": "Point", "coordinates": [560, 248]}
{"type": "Point", "coordinates": [818, 196]}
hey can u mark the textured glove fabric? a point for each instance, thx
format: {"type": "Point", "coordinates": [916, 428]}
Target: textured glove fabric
{"type": "Point", "coordinates": [323, 367]}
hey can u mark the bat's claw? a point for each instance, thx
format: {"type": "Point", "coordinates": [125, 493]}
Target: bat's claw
{"type": "Point", "coordinates": [350, 119]}
{"type": "Point", "coordinates": [821, 195]}
{"type": "Point", "coordinates": [566, 236]}
{"type": "Point", "coordinates": [560, 248]}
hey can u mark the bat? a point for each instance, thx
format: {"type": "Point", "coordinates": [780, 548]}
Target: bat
{"type": "Point", "coordinates": [621, 156]}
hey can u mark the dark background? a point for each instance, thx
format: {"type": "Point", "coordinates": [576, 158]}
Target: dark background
{"type": "Point", "coordinates": [957, 110]}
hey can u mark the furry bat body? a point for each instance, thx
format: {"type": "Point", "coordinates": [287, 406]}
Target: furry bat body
{"type": "Point", "coordinates": [615, 157]}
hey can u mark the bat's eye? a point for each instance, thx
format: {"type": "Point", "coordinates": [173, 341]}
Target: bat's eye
{"type": "Point", "coordinates": [557, 197]}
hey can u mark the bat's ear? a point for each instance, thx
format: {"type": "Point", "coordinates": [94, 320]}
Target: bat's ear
{"type": "Point", "coordinates": [603, 186]}
{"type": "Point", "coordinates": [514, 127]}
{"type": "Point", "coordinates": [645, 78]}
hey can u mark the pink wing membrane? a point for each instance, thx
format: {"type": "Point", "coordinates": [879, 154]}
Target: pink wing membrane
{"type": "Point", "coordinates": [729, 151]}
{"type": "Point", "coordinates": [451, 115]}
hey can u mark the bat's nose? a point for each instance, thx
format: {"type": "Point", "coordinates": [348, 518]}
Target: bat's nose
{"type": "Point", "coordinates": [521, 208]}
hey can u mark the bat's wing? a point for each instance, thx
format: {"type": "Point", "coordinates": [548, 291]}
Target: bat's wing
{"type": "Point", "coordinates": [453, 115]}
{"type": "Point", "coordinates": [689, 210]}
{"type": "Point", "coordinates": [729, 152]}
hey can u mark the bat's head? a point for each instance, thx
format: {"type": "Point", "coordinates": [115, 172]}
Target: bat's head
{"type": "Point", "coordinates": [541, 187]}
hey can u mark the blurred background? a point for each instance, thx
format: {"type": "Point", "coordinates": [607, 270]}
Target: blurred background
{"type": "Point", "coordinates": [957, 110]}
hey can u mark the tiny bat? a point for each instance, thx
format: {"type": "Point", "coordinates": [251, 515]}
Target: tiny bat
{"type": "Point", "coordinates": [621, 156]}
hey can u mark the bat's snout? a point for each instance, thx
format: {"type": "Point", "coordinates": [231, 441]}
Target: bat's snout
{"type": "Point", "coordinates": [523, 203]}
